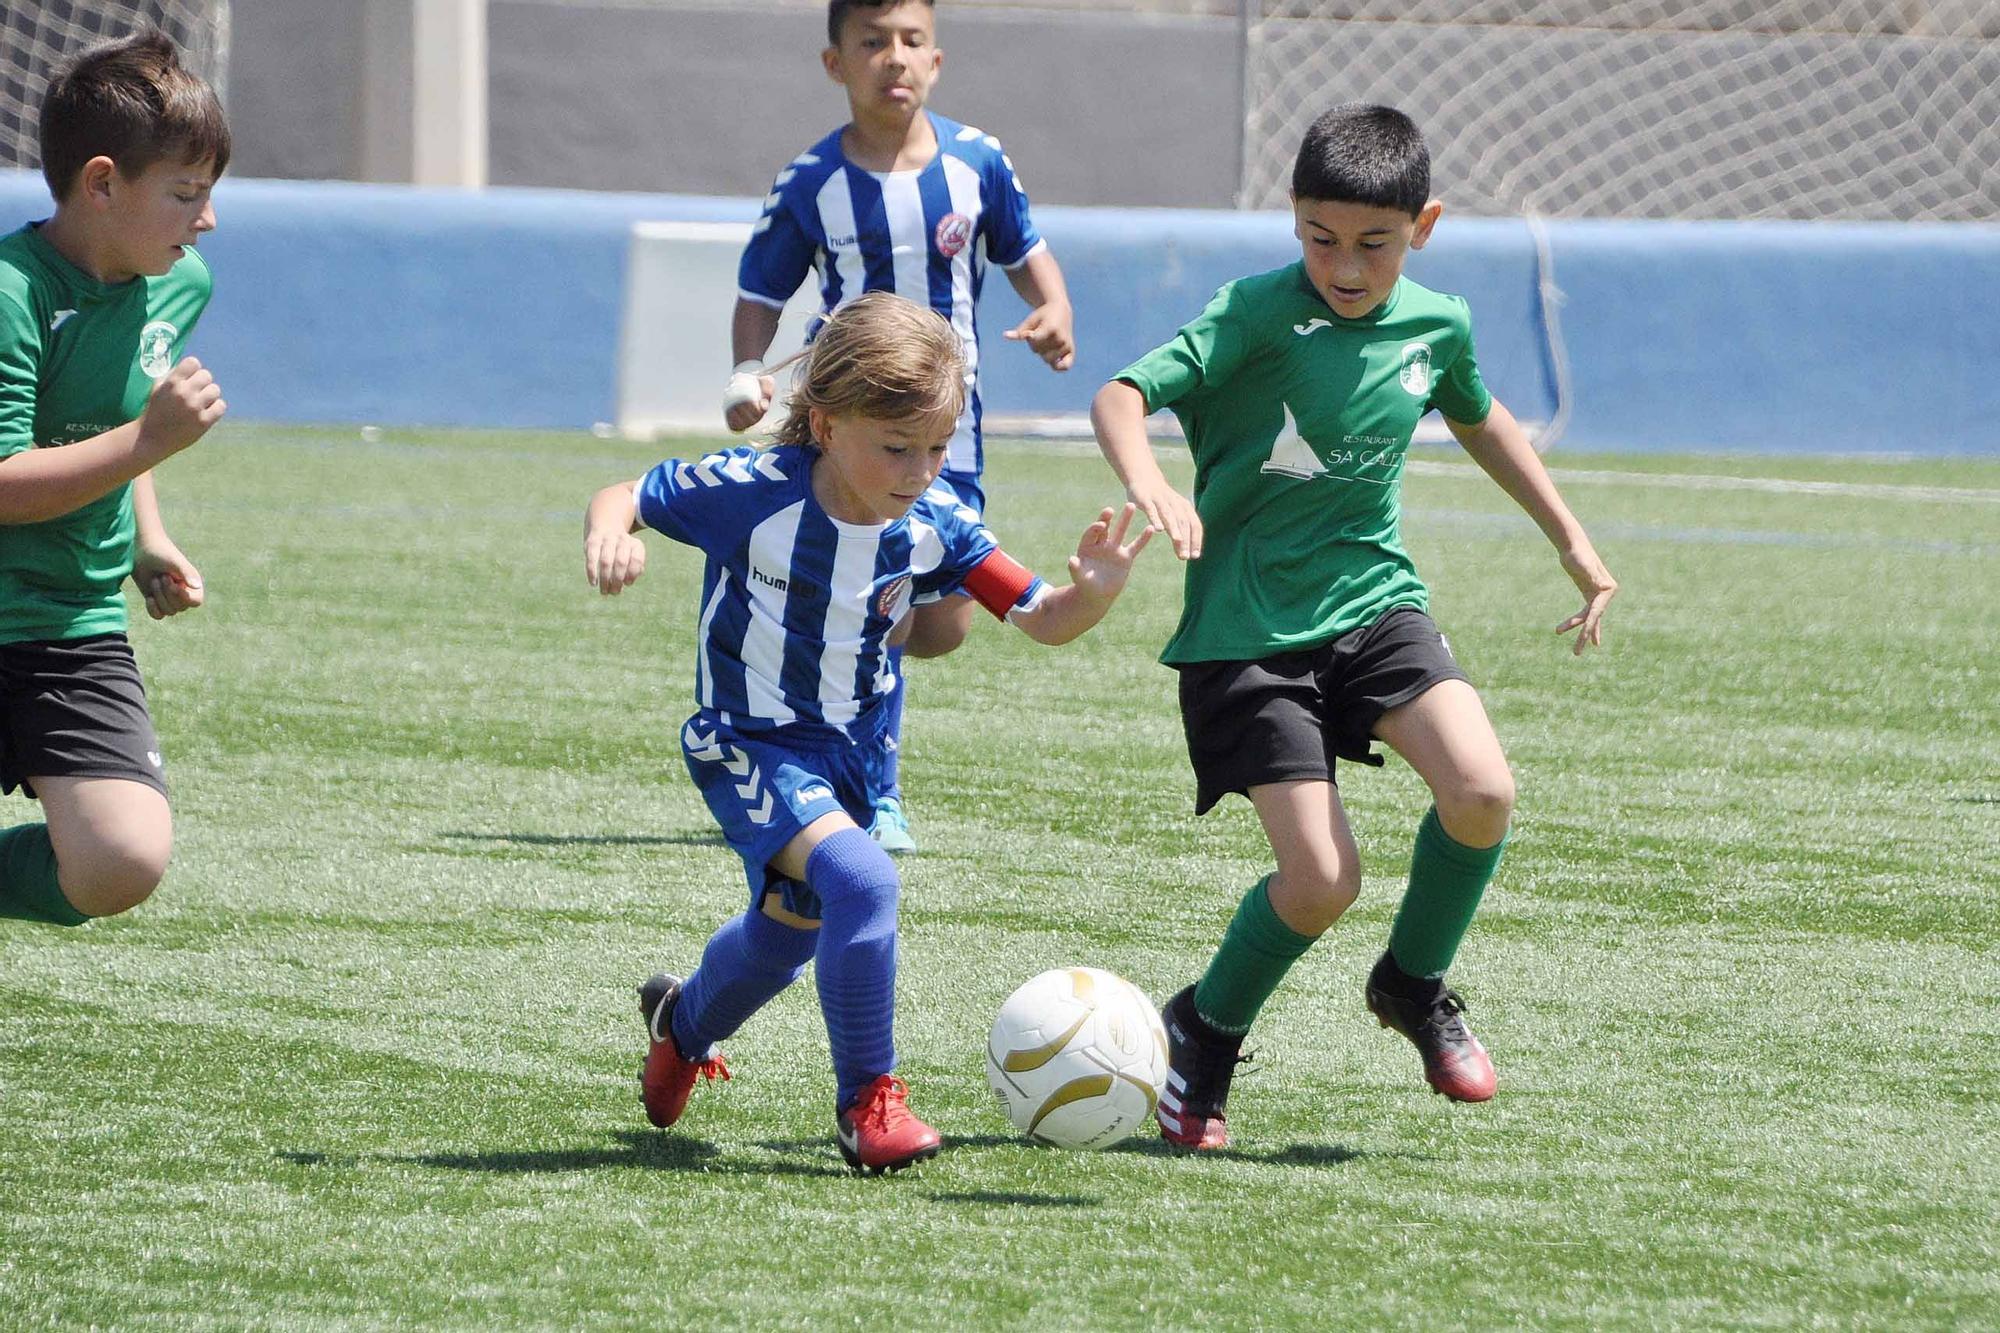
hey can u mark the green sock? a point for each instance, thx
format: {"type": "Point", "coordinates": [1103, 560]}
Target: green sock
{"type": "Point", "coordinates": [28, 888]}
{"type": "Point", "coordinates": [1447, 879]}
{"type": "Point", "coordinates": [1256, 952]}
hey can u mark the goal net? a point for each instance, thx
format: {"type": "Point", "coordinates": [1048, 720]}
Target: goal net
{"type": "Point", "coordinates": [37, 36]}
{"type": "Point", "coordinates": [1797, 109]}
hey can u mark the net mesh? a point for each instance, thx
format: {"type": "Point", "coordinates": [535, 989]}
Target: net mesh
{"type": "Point", "coordinates": [37, 36]}
{"type": "Point", "coordinates": [1801, 109]}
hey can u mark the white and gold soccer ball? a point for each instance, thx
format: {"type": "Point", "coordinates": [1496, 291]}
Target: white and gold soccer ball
{"type": "Point", "coordinates": [1077, 1057]}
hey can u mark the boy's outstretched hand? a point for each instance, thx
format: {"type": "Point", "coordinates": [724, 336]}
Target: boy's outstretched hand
{"type": "Point", "coordinates": [1103, 558]}
{"type": "Point", "coordinates": [1594, 581]}
{"type": "Point", "coordinates": [167, 580]}
{"type": "Point", "coordinates": [1050, 332]}
{"type": "Point", "coordinates": [1170, 512]}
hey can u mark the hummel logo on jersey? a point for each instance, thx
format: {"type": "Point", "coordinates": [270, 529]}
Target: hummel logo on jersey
{"type": "Point", "coordinates": [805, 796]}
{"type": "Point", "coordinates": [1311, 326]}
{"type": "Point", "coordinates": [57, 321]}
{"type": "Point", "coordinates": [770, 580]}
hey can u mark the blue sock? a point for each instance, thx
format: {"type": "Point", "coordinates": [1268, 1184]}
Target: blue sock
{"type": "Point", "coordinates": [856, 959]}
{"type": "Point", "coordinates": [746, 964]}
{"type": "Point", "coordinates": [890, 780]}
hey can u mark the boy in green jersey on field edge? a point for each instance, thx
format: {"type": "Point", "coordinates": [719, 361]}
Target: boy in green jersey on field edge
{"type": "Point", "coordinates": [1305, 634]}
{"type": "Point", "coordinates": [96, 303]}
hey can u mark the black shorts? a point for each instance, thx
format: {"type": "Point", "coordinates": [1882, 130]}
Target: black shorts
{"type": "Point", "coordinates": [74, 708]}
{"type": "Point", "coordinates": [1285, 718]}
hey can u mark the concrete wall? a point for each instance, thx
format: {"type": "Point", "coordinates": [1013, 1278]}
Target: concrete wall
{"type": "Point", "coordinates": [1094, 108]}
{"type": "Point", "coordinates": [501, 308]}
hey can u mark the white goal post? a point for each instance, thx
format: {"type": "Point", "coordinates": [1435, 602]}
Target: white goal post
{"type": "Point", "coordinates": [673, 346]}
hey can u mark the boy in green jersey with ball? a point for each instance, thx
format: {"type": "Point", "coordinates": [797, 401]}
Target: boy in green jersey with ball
{"type": "Point", "coordinates": [96, 304]}
{"type": "Point", "coordinates": [1305, 634]}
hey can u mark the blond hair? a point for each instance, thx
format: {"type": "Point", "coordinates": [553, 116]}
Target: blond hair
{"type": "Point", "coordinates": [878, 356]}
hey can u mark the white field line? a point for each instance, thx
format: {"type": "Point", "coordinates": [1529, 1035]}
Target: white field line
{"type": "Point", "coordinates": [1696, 481]}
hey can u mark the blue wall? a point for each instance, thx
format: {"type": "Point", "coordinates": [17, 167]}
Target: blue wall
{"type": "Point", "coordinates": [339, 302]}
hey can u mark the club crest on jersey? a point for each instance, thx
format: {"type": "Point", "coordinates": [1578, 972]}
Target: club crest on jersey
{"type": "Point", "coordinates": [1416, 374]}
{"type": "Point", "coordinates": [892, 593]}
{"type": "Point", "coordinates": [156, 348]}
{"type": "Point", "coordinates": [953, 231]}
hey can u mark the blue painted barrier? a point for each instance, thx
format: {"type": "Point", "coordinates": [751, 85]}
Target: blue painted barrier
{"type": "Point", "coordinates": [358, 303]}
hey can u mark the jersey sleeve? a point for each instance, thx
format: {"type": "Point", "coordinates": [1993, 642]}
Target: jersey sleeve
{"type": "Point", "coordinates": [1003, 585]}
{"type": "Point", "coordinates": [1010, 232]}
{"type": "Point", "coordinates": [780, 252]}
{"type": "Point", "coordinates": [1206, 351]}
{"type": "Point", "coordinates": [1459, 392]}
{"type": "Point", "coordinates": [703, 502]}
{"type": "Point", "coordinates": [972, 562]}
{"type": "Point", "coordinates": [20, 373]}
{"type": "Point", "coordinates": [201, 281]}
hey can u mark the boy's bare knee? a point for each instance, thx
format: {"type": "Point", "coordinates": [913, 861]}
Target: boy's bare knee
{"type": "Point", "coordinates": [1478, 812]}
{"type": "Point", "coordinates": [112, 879]}
{"type": "Point", "coordinates": [1310, 896]}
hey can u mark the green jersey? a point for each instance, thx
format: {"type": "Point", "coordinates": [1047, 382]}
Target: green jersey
{"type": "Point", "coordinates": [1299, 421]}
{"type": "Point", "coordinates": [77, 358]}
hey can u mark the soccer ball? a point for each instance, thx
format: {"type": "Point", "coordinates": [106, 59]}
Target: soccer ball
{"type": "Point", "coordinates": [1077, 1057]}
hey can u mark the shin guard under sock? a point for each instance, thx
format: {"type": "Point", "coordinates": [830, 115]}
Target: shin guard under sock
{"type": "Point", "coordinates": [855, 962]}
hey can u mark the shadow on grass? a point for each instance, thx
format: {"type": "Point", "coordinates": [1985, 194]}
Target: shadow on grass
{"type": "Point", "coordinates": [1292, 1154]}
{"type": "Point", "coordinates": [635, 1148]}
{"type": "Point", "coordinates": [708, 838]}
{"type": "Point", "coordinates": [1014, 1199]}
{"type": "Point", "coordinates": [1148, 1145]}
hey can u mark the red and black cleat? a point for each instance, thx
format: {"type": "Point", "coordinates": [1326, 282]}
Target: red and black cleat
{"type": "Point", "coordinates": [667, 1079]}
{"type": "Point", "coordinates": [879, 1133]}
{"type": "Point", "coordinates": [1201, 1062]}
{"type": "Point", "coordinates": [1455, 1064]}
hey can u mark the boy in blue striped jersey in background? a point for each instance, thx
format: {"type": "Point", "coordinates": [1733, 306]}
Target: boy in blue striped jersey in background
{"type": "Point", "coordinates": [899, 199]}
{"type": "Point", "coordinates": [817, 550]}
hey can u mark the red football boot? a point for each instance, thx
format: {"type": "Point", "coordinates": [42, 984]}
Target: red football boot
{"type": "Point", "coordinates": [1455, 1064]}
{"type": "Point", "coordinates": [878, 1133]}
{"type": "Point", "coordinates": [667, 1079]}
{"type": "Point", "coordinates": [1201, 1062]}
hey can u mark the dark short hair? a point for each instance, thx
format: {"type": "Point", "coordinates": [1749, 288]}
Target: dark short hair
{"type": "Point", "coordinates": [838, 10]}
{"type": "Point", "coordinates": [130, 100]}
{"type": "Point", "coordinates": [1363, 154]}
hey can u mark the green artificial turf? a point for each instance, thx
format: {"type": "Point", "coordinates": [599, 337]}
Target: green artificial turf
{"type": "Point", "coordinates": [367, 1057]}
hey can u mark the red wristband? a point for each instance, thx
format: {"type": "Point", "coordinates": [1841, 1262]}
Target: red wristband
{"type": "Point", "coordinates": [998, 581]}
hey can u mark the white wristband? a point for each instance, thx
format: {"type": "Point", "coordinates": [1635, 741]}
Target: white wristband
{"type": "Point", "coordinates": [746, 385]}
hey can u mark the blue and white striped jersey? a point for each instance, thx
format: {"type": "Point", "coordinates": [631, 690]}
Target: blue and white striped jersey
{"type": "Point", "coordinates": [926, 235]}
{"type": "Point", "coordinates": [795, 604]}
